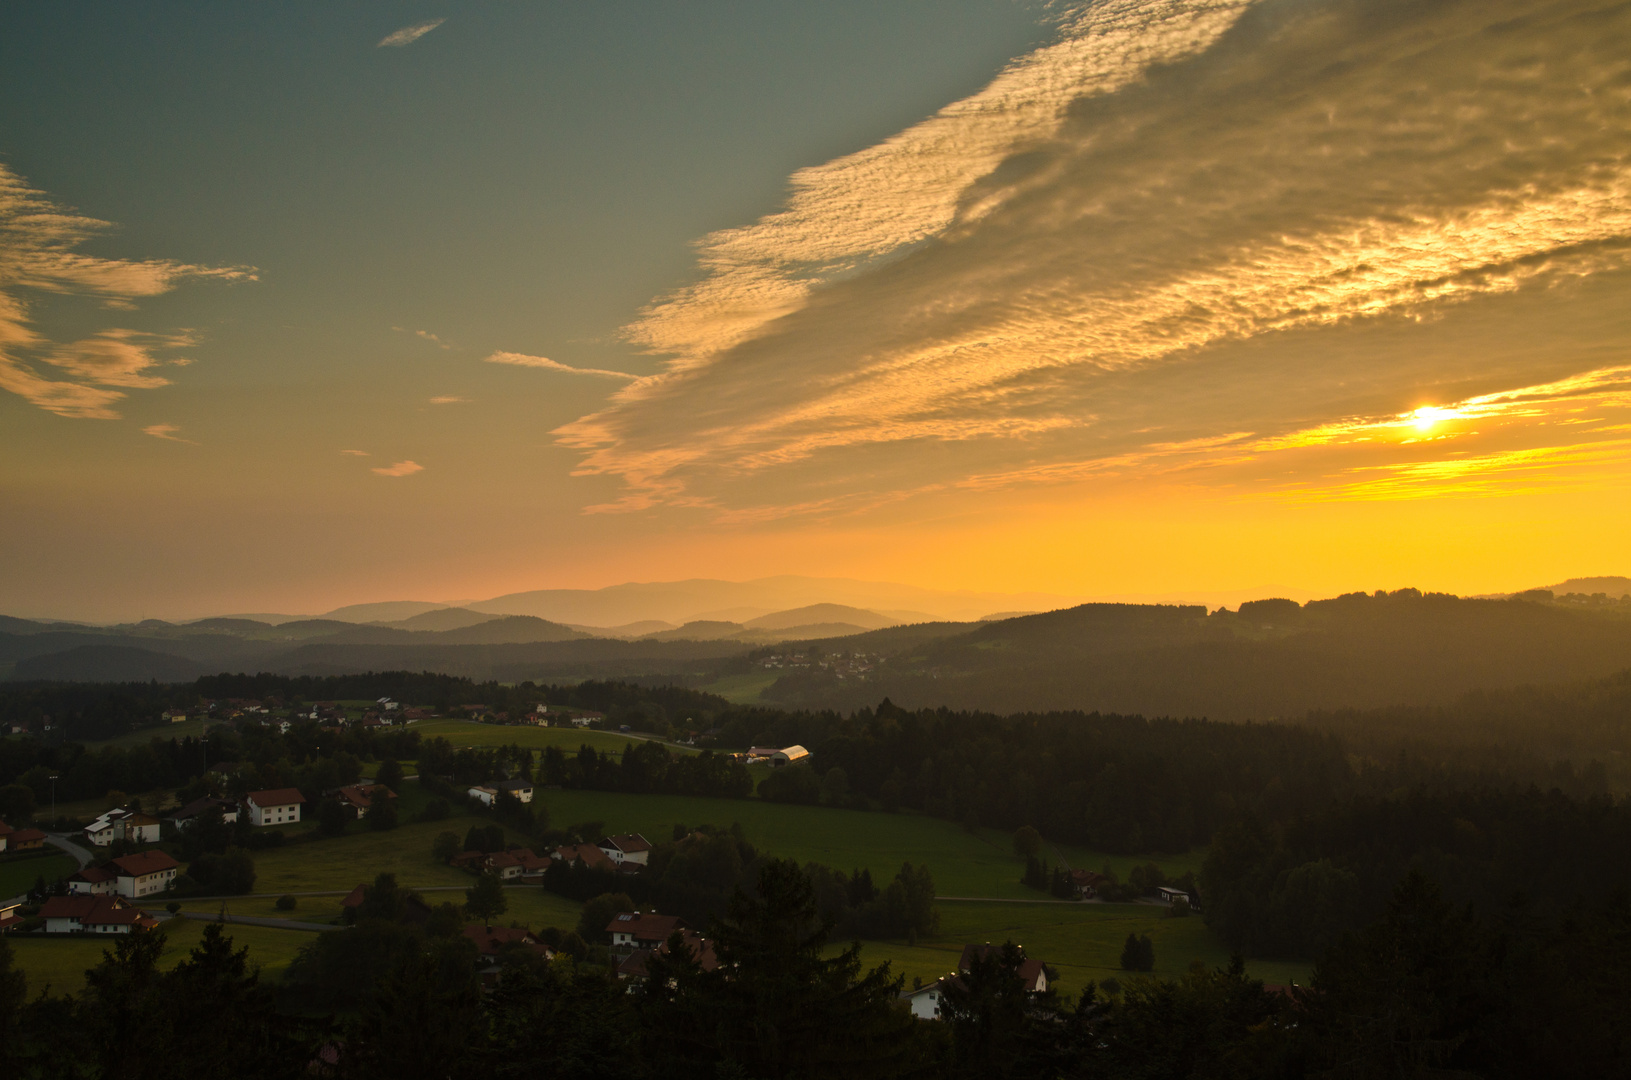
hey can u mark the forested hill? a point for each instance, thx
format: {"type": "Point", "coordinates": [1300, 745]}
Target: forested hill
{"type": "Point", "coordinates": [1272, 658]}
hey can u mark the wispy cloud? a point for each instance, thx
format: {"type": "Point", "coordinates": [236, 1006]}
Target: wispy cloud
{"type": "Point", "coordinates": [1110, 250]}
{"type": "Point", "coordinates": [38, 238]}
{"type": "Point", "coordinates": [546, 364]}
{"type": "Point", "coordinates": [423, 334]}
{"type": "Point", "coordinates": [448, 399]}
{"type": "Point", "coordinates": [167, 432]}
{"type": "Point", "coordinates": [356, 453]}
{"type": "Point", "coordinates": [397, 39]}
{"type": "Point", "coordinates": [401, 468]}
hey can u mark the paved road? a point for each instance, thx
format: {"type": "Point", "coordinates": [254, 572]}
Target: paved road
{"type": "Point", "coordinates": [84, 855]}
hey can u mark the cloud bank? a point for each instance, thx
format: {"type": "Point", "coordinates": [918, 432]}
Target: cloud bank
{"type": "Point", "coordinates": [38, 238]}
{"type": "Point", "coordinates": [1183, 224]}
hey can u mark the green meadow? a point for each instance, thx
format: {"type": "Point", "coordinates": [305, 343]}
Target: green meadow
{"type": "Point", "coordinates": [17, 876]}
{"type": "Point", "coordinates": [60, 962]}
{"type": "Point", "coordinates": [471, 733]}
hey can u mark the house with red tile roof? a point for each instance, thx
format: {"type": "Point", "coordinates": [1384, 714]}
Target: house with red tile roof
{"type": "Point", "coordinates": [93, 915]}
{"type": "Point", "coordinates": [144, 873]}
{"type": "Point", "coordinates": [625, 847]}
{"type": "Point", "coordinates": [362, 797]}
{"type": "Point", "coordinates": [278, 806]}
{"type": "Point", "coordinates": [633, 930]}
{"type": "Point", "coordinates": [93, 881]}
{"type": "Point", "coordinates": [26, 840]}
{"type": "Point", "coordinates": [588, 854]}
{"type": "Point", "coordinates": [5, 835]}
{"type": "Point", "coordinates": [700, 949]}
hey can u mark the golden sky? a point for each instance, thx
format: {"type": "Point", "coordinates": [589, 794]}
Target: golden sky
{"type": "Point", "coordinates": [1179, 295]}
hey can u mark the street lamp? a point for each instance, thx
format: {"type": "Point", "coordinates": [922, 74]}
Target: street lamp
{"type": "Point", "coordinates": [53, 802]}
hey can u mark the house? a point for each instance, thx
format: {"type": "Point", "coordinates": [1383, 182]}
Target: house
{"type": "Point", "coordinates": [487, 796]}
{"type": "Point", "coordinates": [93, 881]}
{"type": "Point", "coordinates": [9, 919]}
{"type": "Point", "coordinates": [1031, 972]}
{"type": "Point", "coordinates": [788, 755]}
{"type": "Point", "coordinates": [175, 716]}
{"type": "Point", "coordinates": [625, 847]}
{"type": "Point", "coordinates": [588, 854]}
{"type": "Point", "coordinates": [701, 949]}
{"type": "Point", "coordinates": [144, 873]}
{"type": "Point", "coordinates": [924, 1001]}
{"type": "Point", "coordinates": [279, 806]}
{"type": "Point", "coordinates": [1171, 894]}
{"type": "Point", "coordinates": [5, 835]}
{"type": "Point", "coordinates": [489, 940]}
{"type": "Point", "coordinates": [123, 824]}
{"type": "Point", "coordinates": [503, 865]}
{"type": "Point", "coordinates": [633, 930]}
{"type": "Point", "coordinates": [189, 815]}
{"type": "Point", "coordinates": [93, 915]}
{"type": "Point", "coordinates": [26, 840]}
{"type": "Point", "coordinates": [1086, 883]}
{"type": "Point", "coordinates": [520, 790]}
{"type": "Point", "coordinates": [361, 797]}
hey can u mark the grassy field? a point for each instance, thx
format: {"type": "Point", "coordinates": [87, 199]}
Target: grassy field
{"type": "Point", "coordinates": [61, 962]}
{"type": "Point", "coordinates": [17, 876]}
{"type": "Point", "coordinates": [141, 736]}
{"type": "Point", "coordinates": [471, 733]}
{"type": "Point", "coordinates": [743, 689]}
{"type": "Point", "coordinates": [1083, 941]}
{"type": "Point", "coordinates": [979, 864]}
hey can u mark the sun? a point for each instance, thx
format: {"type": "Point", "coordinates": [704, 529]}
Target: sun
{"type": "Point", "coordinates": [1428, 415]}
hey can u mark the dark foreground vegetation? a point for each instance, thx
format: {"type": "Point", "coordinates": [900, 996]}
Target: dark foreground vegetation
{"type": "Point", "coordinates": [1428, 989]}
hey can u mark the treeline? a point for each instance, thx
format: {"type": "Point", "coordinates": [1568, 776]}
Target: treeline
{"type": "Point", "coordinates": [648, 768]}
{"type": "Point", "coordinates": [1293, 889]}
{"type": "Point", "coordinates": [306, 757]}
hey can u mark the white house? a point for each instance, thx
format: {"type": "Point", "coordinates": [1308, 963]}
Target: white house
{"type": "Point", "coordinates": [188, 815]}
{"type": "Point", "coordinates": [632, 930]}
{"type": "Point", "coordinates": [1170, 894]}
{"type": "Point", "coordinates": [93, 881]}
{"type": "Point", "coordinates": [925, 1000]}
{"type": "Point", "coordinates": [485, 795]}
{"type": "Point", "coordinates": [625, 848]}
{"type": "Point", "coordinates": [280, 806]}
{"type": "Point", "coordinates": [123, 824]}
{"type": "Point", "coordinates": [144, 873]}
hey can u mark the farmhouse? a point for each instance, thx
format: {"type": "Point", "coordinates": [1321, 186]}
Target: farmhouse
{"type": "Point", "coordinates": [625, 847]}
{"type": "Point", "coordinates": [279, 806]}
{"type": "Point", "coordinates": [700, 949]}
{"type": "Point", "coordinates": [633, 930]}
{"type": "Point", "coordinates": [27, 840]}
{"type": "Point", "coordinates": [93, 915]}
{"type": "Point", "coordinates": [588, 854]}
{"type": "Point", "coordinates": [361, 797]}
{"type": "Point", "coordinates": [144, 873]}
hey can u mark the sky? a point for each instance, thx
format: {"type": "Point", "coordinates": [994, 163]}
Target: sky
{"type": "Point", "coordinates": [304, 305]}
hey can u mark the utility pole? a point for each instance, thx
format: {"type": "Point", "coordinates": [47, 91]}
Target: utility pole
{"type": "Point", "coordinates": [53, 802]}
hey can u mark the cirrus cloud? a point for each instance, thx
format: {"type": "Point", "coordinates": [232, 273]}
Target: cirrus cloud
{"type": "Point", "coordinates": [1163, 230]}
{"type": "Point", "coordinates": [38, 238]}
{"type": "Point", "coordinates": [398, 39]}
{"type": "Point", "coordinates": [544, 363]}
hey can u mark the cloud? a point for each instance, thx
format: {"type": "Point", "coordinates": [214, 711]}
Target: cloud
{"type": "Point", "coordinates": [37, 242]}
{"type": "Point", "coordinates": [401, 468]}
{"type": "Point", "coordinates": [397, 39]}
{"type": "Point", "coordinates": [356, 453]}
{"type": "Point", "coordinates": [1168, 226]}
{"type": "Point", "coordinates": [448, 399]}
{"type": "Point", "coordinates": [425, 334]}
{"type": "Point", "coordinates": [544, 362]}
{"type": "Point", "coordinates": [166, 432]}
